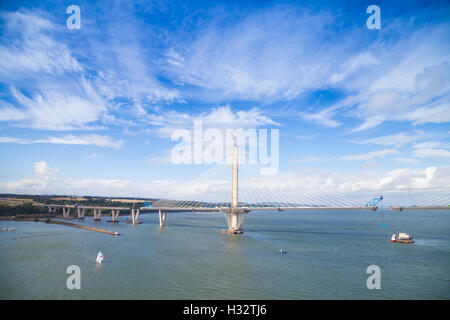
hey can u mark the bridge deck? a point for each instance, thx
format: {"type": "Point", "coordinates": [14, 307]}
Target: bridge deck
{"type": "Point", "coordinates": [420, 208]}
{"type": "Point", "coordinates": [250, 208]}
{"type": "Point", "coordinates": [79, 206]}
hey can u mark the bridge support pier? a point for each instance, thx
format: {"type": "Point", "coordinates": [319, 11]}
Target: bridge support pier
{"type": "Point", "coordinates": [162, 218]}
{"type": "Point", "coordinates": [134, 216]}
{"type": "Point", "coordinates": [66, 212]}
{"type": "Point", "coordinates": [115, 215]}
{"type": "Point", "coordinates": [97, 214]}
{"type": "Point", "coordinates": [235, 219]}
{"type": "Point", "coordinates": [51, 209]}
{"type": "Point", "coordinates": [81, 212]}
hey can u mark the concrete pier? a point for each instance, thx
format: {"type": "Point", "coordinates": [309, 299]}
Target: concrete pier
{"type": "Point", "coordinates": [115, 216]}
{"type": "Point", "coordinates": [51, 209]}
{"type": "Point", "coordinates": [81, 212]}
{"type": "Point", "coordinates": [97, 214]}
{"type": "Point", "coordinates": [66, 212]}
{"type": "Point", "coordinates": [135, 216]}
{"type": "Point", "coordinates": [162, 218]}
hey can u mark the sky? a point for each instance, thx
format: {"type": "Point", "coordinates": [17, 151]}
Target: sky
{"type": "Point", "coordinates": [92, 111]}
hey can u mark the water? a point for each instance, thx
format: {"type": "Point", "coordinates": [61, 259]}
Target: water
{"type": "Point", "coordinates": [328, 253]}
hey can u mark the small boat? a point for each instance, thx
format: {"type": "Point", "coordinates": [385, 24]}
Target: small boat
{"type": "Point", "coordinates": [401, 238]}
{"type": "Point", "coordinates": [282, 251]}
{"type": "Point", "coordinates": [99, 257]}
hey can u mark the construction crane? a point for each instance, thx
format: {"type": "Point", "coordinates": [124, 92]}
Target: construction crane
{"type": "Point", "coordinates": [374, 203]}
{"type": "Point", "coordinates": [147, 204]}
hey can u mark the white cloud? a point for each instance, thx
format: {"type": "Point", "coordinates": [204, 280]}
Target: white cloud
{"type": "Point", "coordinates": [60, 109]}
{"type": "Point", "coordinates": [93, 139]}
{"type": "Point", "coordinates": [160, 160]}
{"type": "Point", "coordinates": [47, 87]}
{"type": "Point", "coordinates": [412, 84]}
{"type": "Point", "coordinates": [42, 169]}
{"type": "Point", "coordinates": [438, 114]}
{"type": "Point", "coordinates": [10, 113]}
{"type": "Point", "coordinates": [94, 156]}
{"type": "Point", "coordinates": [435, 149]}
{"type": "Point", "coordinates": [308, 159]}
{"type": "Point", "coordinates": [34, 49]}
{"type": "Point", "coordinates": [221, 117]}
{"type": "Point", "coordinates": [371, 155]}
{"type": "Point", "coordinates": [355, 63]}
{"type": "Point", "coordinates": [13, 140]}
{"type": "Point", "coordinates": [429, 152]}
{"type": "Point", "coordinates": [398, 139]}
{"type": "Point", "coordinates": [261, 56]}
{"type": "Point", "coordinates": [407, 160]}
{"type": "Point", "coordinates": [323, 117]}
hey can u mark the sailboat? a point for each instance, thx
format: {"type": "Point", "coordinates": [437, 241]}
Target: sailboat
{"type": "Point", "coordinates": [99, 257]}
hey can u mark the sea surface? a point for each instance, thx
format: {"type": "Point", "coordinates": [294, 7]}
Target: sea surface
{"type": "Point", "coordinates": [328, 253]}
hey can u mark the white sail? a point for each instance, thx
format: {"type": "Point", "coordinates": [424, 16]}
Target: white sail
{"type": "Point", "coordinates": [100, 257]}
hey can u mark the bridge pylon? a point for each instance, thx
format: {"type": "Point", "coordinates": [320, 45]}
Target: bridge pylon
{"type": "Point", "coordinates": [234, 216]}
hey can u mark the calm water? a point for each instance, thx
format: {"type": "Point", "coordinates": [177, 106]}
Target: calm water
{"type": "Point", "coordinates": [328, 254]}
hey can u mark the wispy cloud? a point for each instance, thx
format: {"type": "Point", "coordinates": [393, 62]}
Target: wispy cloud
{"type": "Point", "coordinates": [94, 156]}
{"type": "Point", "coordinates": [398, 139]}
{"type": "Point", "coordinates": [434, 149]}
{"type": "Point", "coordinates": [32, 48]}
{"type": "Point", "coordinates": [371, 155]}
{"type": "Point", "coordinates": [308, 159]}
{"type": "Point", "coordinates": [221, 117]}
{"type": "Point", "coordinates": [429, 152]}
{"type": "Point", "coordinates": [60, 109]}
{"type": "Point", "coordinates": [93, 139]}
{"type": "Point", "coordinates": [48, 88]}
{"type": "Point", "coordinates": [323, 117]}
{"type": "Point", "coordinates": [412, 85]}
{"type": "Point", "coordinates": [407, 160]}
{"type": "Point", "coordinates": [261, 56]}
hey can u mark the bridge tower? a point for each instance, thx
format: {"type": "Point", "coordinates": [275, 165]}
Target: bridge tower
{"type": "Point", "coordinates": [235, 216]}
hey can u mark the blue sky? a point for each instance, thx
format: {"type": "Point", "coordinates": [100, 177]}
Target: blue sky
{"type": "Point", "coordinates": [91, 110]}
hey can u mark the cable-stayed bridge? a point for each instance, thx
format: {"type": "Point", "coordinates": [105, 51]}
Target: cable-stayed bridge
{"type": "Point", "coordinates": [286, 196]}
{"type": "Point", "coordinates": [429, 199]}
{"type": "Point", "coordinates": [235, 201]}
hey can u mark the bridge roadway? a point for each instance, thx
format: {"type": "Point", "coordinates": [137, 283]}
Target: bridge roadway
{"type": "Point", "coordinates": [400, 208]}
{"type": "Point", "coordinates": [81, 209]}
{"type": "Point", "coordinates": [162, 210]}
{"type": "Point", "coordinates": [79, 206]}
{"type": "Point", "coordinates": [216, 209]}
